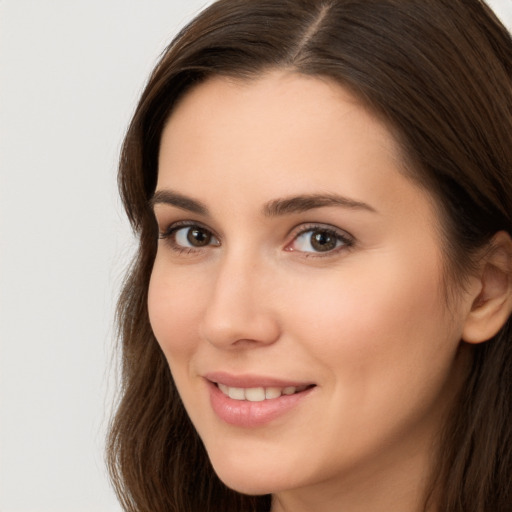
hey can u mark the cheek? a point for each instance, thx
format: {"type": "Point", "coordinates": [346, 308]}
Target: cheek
{"type": "Point", "coordinates": [386, 348]}
{"type": "Point", "coordinates": [377, 321]}
{"type": "Point", "coordinates": [174, 305]}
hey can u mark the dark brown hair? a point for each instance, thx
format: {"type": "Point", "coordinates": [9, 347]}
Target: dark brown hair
{"type": "Point", "coordinates": [439, 72]}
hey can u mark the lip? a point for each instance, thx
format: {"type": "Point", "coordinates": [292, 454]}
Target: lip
{"type": "Point", "coordinates": [246, 414]}
{"type": "Point", "coordinates": [252, 381]}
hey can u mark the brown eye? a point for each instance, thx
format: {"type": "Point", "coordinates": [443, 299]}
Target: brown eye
{"type": "Point", "coordinates": [319, 239]}
{"type": "Point", "coordinates": [323, 241]}
{"type": "Point", "coordinates": [198, 237]}
{"type": "Point", "coordinates": [190, 237]}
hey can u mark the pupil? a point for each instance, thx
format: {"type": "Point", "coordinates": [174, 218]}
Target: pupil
{"type": "Point", "coordinates": [198, 237]}
{"type": "Point", "coordinates": [323, 241]}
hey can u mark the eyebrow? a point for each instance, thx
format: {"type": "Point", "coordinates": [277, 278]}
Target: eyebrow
{"type": "Point", "coordinates": [179, 201]}
{"type": "Point", "coordinates": [274, 208]}
{"type": "Point", "coordinates": [303, 203]}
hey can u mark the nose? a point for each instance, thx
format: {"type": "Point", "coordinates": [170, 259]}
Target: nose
{"type": "Point", "coordinates": [240, 312]}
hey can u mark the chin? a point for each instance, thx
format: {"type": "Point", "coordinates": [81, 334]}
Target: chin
{"type": "Point", "coordinates": [246, 486]}
{"type": "Point", "coordinates": [247, 479]}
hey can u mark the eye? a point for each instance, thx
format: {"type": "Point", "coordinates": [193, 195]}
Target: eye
{"type": "Point", "coordinates": [319, 239]}
{"type": "Point", "coordinates": [189, 237]}
{"type": "Point", "coordinates": [192, 237]}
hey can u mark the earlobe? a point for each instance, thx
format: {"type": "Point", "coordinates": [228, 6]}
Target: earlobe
{"type": "Point", "coordinates": [492, 306]}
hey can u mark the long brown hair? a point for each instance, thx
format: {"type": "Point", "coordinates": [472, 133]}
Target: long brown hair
{"type": "Point", "coordinates": [439, 72]}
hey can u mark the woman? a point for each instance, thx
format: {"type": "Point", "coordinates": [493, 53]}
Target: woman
{"type": "Point", "coordinates": [318, 316]}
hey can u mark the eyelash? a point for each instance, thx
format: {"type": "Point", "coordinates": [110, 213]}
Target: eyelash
{"type": "Point", "coordinates": [345, 240]}
{"type": "Point", "coordinates": [169, 235]}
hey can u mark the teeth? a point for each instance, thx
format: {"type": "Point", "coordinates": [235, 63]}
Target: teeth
{"type": "Point", "coordinates": [236, 393]}
{"type": "Point", "coordinates": [258, 394]}
{"type": "Point", "coordinates": [255, 394]}
{"type": "Point", "coordinates": [223, 388]}
{"type": "Point", "coordinates": [272, 392]}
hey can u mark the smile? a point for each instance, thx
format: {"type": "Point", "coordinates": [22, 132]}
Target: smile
{"type": "Point", "coordinates": [250, 402]}
{"type": "Point", "coordinates": [259, 394]}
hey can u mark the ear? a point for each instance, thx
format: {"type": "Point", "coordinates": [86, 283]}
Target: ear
{"type": "Point", "coordinates": [492, 306]}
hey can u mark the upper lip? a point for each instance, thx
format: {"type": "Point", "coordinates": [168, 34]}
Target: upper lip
{"type": "Point", "coordinates": [252, 380]}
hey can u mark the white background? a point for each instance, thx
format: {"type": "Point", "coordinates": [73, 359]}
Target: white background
{"type": "Point", "coordinates": [70, 74]}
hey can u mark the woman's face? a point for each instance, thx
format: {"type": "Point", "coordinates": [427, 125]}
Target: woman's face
{"type": "Point", "coordinates": [297, 290]}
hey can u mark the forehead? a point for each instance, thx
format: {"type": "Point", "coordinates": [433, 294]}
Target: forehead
{"type": "Point", "coordinates": [280, 134]}
{"type": "Point", "coordinates": [290, 96]}
{"type": "Point", "coordinates": [279, 111]}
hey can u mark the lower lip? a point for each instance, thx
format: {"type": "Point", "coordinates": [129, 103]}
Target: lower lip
{"type": "Point", "coordinates": [243, 413]}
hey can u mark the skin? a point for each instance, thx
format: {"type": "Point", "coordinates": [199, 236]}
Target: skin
{"type": "Point", "coordinates": [366, 322]}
